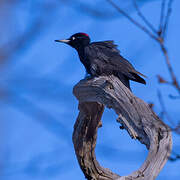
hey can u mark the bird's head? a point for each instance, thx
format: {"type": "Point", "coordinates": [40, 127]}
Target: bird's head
{"type": "Point", "coordinates": [77, 40]}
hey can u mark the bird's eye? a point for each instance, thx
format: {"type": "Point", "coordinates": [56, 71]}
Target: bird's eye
{"type": "Point", "coordinates": [73, 38]}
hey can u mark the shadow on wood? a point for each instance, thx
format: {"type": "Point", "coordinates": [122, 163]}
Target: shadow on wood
{"type": "Point", "coordinates": [134, 115]}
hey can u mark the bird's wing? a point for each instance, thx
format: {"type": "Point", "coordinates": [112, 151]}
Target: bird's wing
{"type": "Point", "coordinates": [106, 59]}
{"type": "Point", "coordinates": [109, 44]}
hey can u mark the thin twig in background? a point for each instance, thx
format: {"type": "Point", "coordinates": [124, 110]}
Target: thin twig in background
{"type": "Point", "coordinates": [176, 156]}
{"type": "Point", "coordinates": [162, 17]}
{"type": "Point", "coordinates": [164, 111]}
{"type": "Point", "coordinates": [143, 28]}
{"type": "Point", "coordinates": [177, 128]}
{"type": "Point", "coordinates": [170, 69]}
{"type": "Point", "coordinates": [162, 32]}
{"type": "Point", "coordinates": [164, 114]}
{"type": "Point", "coordinates": [167, 18]}
{"type": "Point", "coordinates": [143, 17]}
{"type": "Point", "coordinates": [174, 97]}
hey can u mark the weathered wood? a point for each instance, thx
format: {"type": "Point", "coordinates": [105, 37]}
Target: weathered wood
{"type": "Point", "coordinates": [134, 115]}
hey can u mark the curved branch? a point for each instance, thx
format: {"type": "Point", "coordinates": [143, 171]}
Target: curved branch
{"type": "Point", "coordinates": [133, 114]}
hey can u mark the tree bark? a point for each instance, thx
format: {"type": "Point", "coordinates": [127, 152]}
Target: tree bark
{"type": "Point", "coordinates": [134, 115]}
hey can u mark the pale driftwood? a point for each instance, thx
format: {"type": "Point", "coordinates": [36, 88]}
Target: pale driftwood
{"type": "Point", "coordinates": [134, 115]}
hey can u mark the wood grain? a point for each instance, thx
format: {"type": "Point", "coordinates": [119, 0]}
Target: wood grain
{"type": "Point", "coordinates": [134, 115]}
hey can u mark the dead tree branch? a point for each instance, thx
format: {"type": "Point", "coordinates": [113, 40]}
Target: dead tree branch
{"type": "Point", "coordinates": [134, 115]}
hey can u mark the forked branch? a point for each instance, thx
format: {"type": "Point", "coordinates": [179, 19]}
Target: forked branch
{"type": "Point", "coordinates": [134, 115]}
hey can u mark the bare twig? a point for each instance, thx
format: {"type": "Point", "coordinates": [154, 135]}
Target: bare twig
{"type": "Point", "coordinates": [143, 17]}
{"type": "Point", "coordinates": [161, 41]}
{"type": "Point", "coordinates": [143, 28]}
{"type": "Point", "coordinates": [167, 18]}
{"type": "Point", "coordinates": [164, 111]}
{"type": "Point", "coordinates": [170, 69]}
{"type": "Point", "coordinates": [174, 156]}
{"type": "Point", "coordinates": [174, 97]}
{"type": "Point", "coordinates": [177, 128]}
{"type": "Point", "coordinates": [162, 17]}
{"type": "Point", "coordinates": [164, 114]}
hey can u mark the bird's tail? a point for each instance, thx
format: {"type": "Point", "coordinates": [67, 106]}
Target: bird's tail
{"type": "Point", "coordinates": [124, 80]}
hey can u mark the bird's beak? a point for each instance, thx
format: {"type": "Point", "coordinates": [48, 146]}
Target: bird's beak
{"type": "Point", "coordinates": [63, 40]}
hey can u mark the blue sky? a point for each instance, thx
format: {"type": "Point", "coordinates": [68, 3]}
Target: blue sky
{"type": "Point", "coordinates": [39, 110]}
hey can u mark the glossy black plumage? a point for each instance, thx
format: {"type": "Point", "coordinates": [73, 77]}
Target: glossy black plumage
{"type": "Point", "coordinates": [103, 58]}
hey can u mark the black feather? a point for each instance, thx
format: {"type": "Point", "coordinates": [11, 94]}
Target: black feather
{"type": "Point", "coordinates": [104, 59]}
{"type": "Point", "coordinates": [138, 78]}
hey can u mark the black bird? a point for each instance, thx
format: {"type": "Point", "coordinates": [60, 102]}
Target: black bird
{"type": "Point", "coordinates": [103, 58]}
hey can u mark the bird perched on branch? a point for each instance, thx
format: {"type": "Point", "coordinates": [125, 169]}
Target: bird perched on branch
{"type": "Point", "coordinates": [103, 58]}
